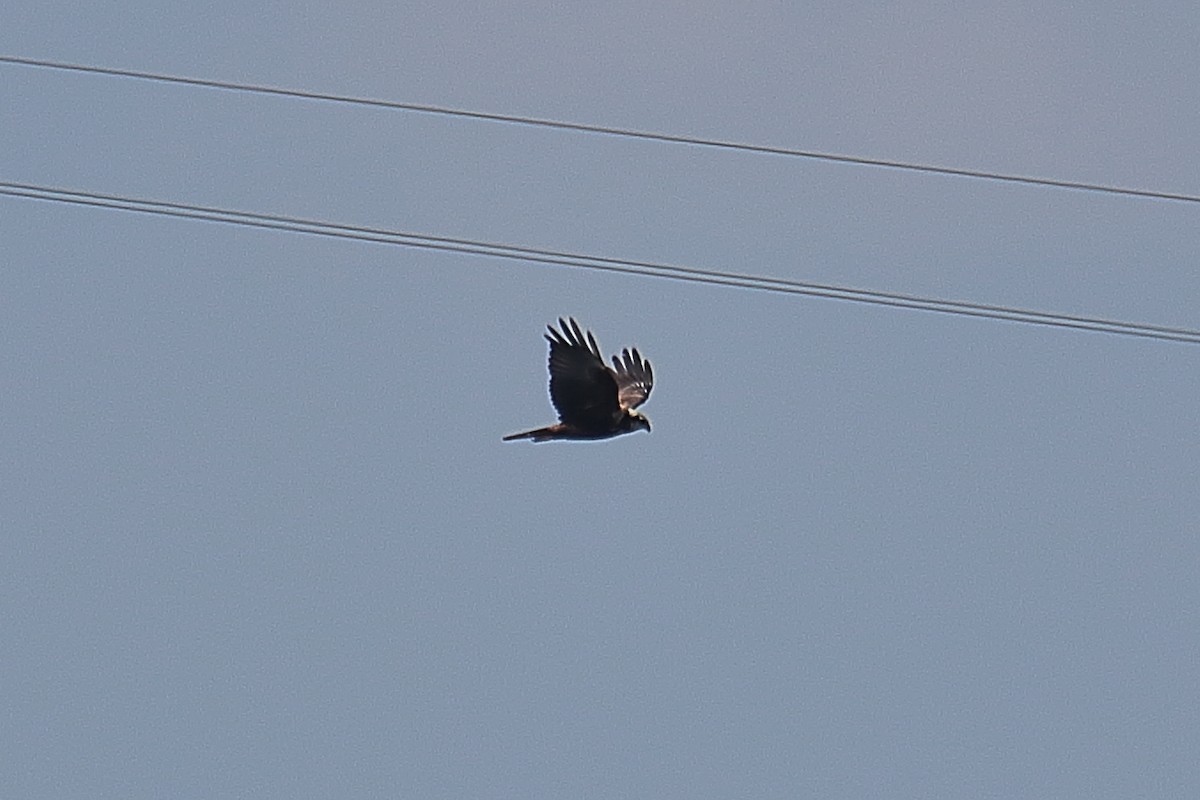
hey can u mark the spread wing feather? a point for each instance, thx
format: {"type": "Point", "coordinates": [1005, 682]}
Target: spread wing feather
{"type": "Point", "coordinates": [582, 388]}
{"type": "Point", "coordinates": [635, 379]}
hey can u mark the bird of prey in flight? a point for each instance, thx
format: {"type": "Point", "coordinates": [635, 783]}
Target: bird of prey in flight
{"type": "Point", "coordinates": [593, 401]}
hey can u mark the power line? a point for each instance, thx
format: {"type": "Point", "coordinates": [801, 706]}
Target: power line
{"type": "Point", "coordinates": [581, 261]}
{"type": "Point", "coordinates": [626, 133]}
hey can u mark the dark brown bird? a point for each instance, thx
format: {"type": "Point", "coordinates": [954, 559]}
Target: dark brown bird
{"type": "Point", "coordinates": [593, 401]}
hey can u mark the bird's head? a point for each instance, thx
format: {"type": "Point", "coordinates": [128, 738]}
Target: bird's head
{"type": "Point", "coordinates": [637, 421]}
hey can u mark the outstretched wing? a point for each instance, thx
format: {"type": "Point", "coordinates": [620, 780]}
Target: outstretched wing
{"type": "Point", "coordinates": [635, 379]}
{"type": "Point", "coordinates": [583, 390]}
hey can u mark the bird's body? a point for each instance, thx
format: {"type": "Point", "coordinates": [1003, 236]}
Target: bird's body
{"type": "Point", "coordinates": [592, 400]}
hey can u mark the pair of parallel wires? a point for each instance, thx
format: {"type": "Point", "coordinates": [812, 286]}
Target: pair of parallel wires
{"type": "Point", "coordinates": [651, 269]}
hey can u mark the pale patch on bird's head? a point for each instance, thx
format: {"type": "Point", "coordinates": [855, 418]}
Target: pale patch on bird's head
{"type": "Point", "coordinates": [640, 421]}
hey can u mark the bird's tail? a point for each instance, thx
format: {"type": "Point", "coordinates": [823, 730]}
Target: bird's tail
{"type": "Point", "coordinates": [538, 435]}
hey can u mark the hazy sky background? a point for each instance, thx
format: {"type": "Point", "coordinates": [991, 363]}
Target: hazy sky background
{"type": "Point", "coordinates": [261, 536]}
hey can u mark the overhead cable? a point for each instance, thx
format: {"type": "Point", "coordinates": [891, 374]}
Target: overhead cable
{"type": "Point", "coordinates": [600, 263]}
{"type": "Point", "coordinates": [605, 130]}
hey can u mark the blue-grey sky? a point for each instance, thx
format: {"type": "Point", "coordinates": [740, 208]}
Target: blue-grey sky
{"type": "Point", "coordinates": [261, 536]}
